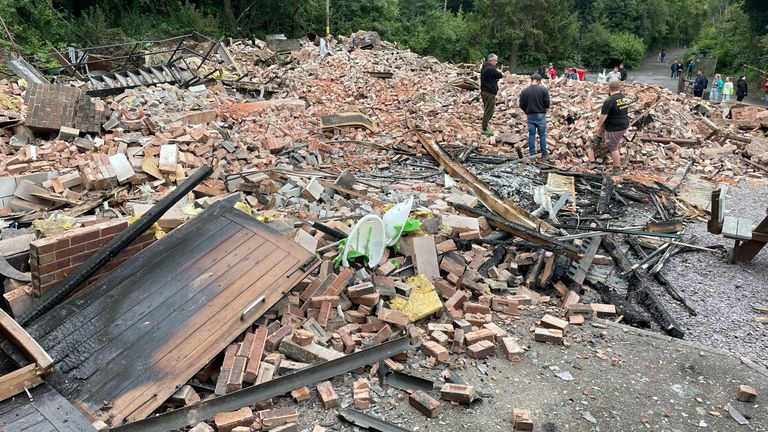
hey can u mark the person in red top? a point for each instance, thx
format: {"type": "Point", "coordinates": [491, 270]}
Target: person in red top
{"type": "Point", "coordinates": [551, 72]}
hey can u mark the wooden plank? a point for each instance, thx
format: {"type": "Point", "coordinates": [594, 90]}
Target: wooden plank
{"type": "Point", "coordinates": [744, 229]}
{"type": "Point", "coordinates": [47, 410]}
{"type": "Point", "coordinates": [34, 352]}
{"type": "Point", "coordinates": [208, 348]}
{"type": "Point", "coordinates": [128, 348]}
{"type": "Point", "coordinates": [59, 412]}
{"type": "Point", "coordinates": [586, 261]}
{"type": "Point", "coordinates": [14, 382]}
{"type": "Point", "coordinates": [94, 314]}
{"type": "Point", "coordinates": [157, 340]}
{"type": "Point", "coordinates": [730, 226]}
{"type": "Point", "coordinates": [100, 349]}
{"type": "Point", "coordinates": [505, 208]}
{"type": "Point", "coordinates": [52, 324]}
{"type": "Point", "coordinates": [424, 255]}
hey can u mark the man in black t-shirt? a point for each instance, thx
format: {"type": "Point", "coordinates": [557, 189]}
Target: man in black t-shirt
{"type": "Point", "coordinates": [489, 87]}
{"type": "Point", "coordinates": [614, 122]}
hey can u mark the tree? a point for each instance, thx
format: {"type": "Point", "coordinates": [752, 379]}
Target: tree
{"type": "Point", "coordinates": [518, 29]}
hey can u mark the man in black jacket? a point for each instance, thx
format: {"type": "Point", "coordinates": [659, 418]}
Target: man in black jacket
{"type": "Point", "coordinates": [742, 89]}
{"type": "Point", "coordinates": [534, 101]}
{"type": "Point", "coordinates": [489, 87]}
{"type": "Point", "coordinates": [700, 84]}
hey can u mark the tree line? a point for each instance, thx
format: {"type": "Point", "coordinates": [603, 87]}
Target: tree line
{"type": "Point", "coordinates": [524, 33]}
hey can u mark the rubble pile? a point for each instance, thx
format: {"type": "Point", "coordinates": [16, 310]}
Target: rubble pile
{"type": "Point", "coordinates": [314, 147]}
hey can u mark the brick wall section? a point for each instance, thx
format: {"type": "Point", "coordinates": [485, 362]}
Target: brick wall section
{"type": "Point", "coordinates": [52, 106]}
{"type": "Point", "coordinates": [51, 259]}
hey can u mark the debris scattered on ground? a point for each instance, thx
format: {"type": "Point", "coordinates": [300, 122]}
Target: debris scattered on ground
{"type": "Point", "coordinates": [417, 224]}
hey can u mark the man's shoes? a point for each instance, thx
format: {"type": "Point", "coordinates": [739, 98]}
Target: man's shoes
{"type": "Point", "coordinates": [616, 170]}
{"type": "Point", "coordinates": [488, 132]}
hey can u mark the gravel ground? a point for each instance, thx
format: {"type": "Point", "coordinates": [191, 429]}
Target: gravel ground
{"type": "Point", "coordinates": [723, 294]}
{"type": "Point", "coordinates": [609, 379]}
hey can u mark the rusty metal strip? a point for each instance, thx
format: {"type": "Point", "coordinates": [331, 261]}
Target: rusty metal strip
{"type": "Point", "coordinates": [179, 418]}
{"type": "Point", "coordinates": [504, 208]}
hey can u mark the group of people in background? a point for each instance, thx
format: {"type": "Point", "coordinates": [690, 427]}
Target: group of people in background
{"type": "Point", "coordinates": [613, 122]}
{"type": "Point", "coordinates": [534, 101]}
{"type": "Point", "coordinates": [617, 74]}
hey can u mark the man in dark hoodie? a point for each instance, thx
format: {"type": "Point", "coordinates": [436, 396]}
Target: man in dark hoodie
{"type": "Point", "coordinates": [489, 86]}
{"type": "Point", "coordinates": [700, 84]}
{"type": "Point", "coordinates": [742, 89]}
{"type": "Point", "coordinates": [534, 101]}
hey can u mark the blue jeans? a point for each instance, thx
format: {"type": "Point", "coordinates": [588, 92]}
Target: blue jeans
{"type": "Point", "coordinates": [537, 122]}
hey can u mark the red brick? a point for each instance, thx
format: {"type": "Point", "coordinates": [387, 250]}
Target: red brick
{"type": "Point", "coordinates": [746, 393]}
{"type": "Point", "coordinates": [327, 394]}
{"type": "Point", "coordinates": [273, 341]}
{"type": "Point", "coordinates": [434, 349]}
{"type": "Point", "coordinates": [481, 349]}
{"type": "Point", "coordinates": [300, 394]}
{"type": "Point", "coordinates": [85, 235]}
{"type": "Point", "coordinates": [254, 358]}
{"type": "Point", "coordinates": [114, 229]}
{"type": "Point", "coordinates": [341, 282]}
{"type": "Point", "coordinates": [425, 404]}
{"type": "Point", "coordinates": [457, 393]}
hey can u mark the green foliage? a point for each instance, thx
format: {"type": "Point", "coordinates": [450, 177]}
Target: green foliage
{"type": "Point", "coordinates": [525, 33]}
{"type": "Point", "coordinates": [34, 25]}
{"type": "Point", "coordinates": [730, 37]}
{"type": "Point", "coordinates": [627, 48]}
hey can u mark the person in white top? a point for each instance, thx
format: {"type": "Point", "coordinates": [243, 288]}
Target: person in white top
{"type": "Point", "coordinates": [727, 89]}
{"type": "Point", "coordinates": [602, 77]}
{"type": "Point", "coordinates": [614, 75]}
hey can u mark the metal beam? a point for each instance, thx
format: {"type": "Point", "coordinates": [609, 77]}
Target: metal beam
{"type": "Point", "coordinates": [179, 418]}
{"type": "Point", "coordinates": [363, 420]}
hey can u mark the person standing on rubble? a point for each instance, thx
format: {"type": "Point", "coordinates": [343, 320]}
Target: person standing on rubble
{"type": "Point", "coordinates": [534, 101]}
{"type": "Point", "coordinates": [614, 122]}
{"type": "Point", "coordinates": [717, 88]}
{"type": "Point", "coordinates": [602, 77]}
{"type": "Point", "coordinates": [700, 84]}
{"type": "Point", "coordinates": [489, 87]}
{"type": "Point", "coordinates": [551, 72]}
{"type": "Point", "coordinates": [741, 88]}
{"type": "Point", "coordinates": [622, 72]}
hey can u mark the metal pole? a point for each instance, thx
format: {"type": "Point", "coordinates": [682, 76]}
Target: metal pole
{"type": "Point", "coordinates": [327, 17]}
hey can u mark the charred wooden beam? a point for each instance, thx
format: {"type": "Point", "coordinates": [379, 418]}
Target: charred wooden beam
{"type": "Point", "coordinates": [521, 231]}
{"type": "Point", "coordinates": [632, 316]}
{"type": "Point", "coordinates": [638, 281]}
{"type": "Point", "coordinates": [496, 258]}
{"type": "Point", "coordinates": [605, 195]}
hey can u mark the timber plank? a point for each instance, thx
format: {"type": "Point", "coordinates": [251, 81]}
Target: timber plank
{"type": "Point", "coordinates": [48, 411]}
{"type": "Point", "coordinates": [162, 315]}
{"type": "Point", "coordinates": [227, 322]}
{"type": "Point", "coordinates": [124, 336]}
{"type": "Point", "coordinates": [64, 317]}
{"type": "Point", "coordinates": [180, 308]}
{"type": "Point", "coordinates": [107, 311]}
